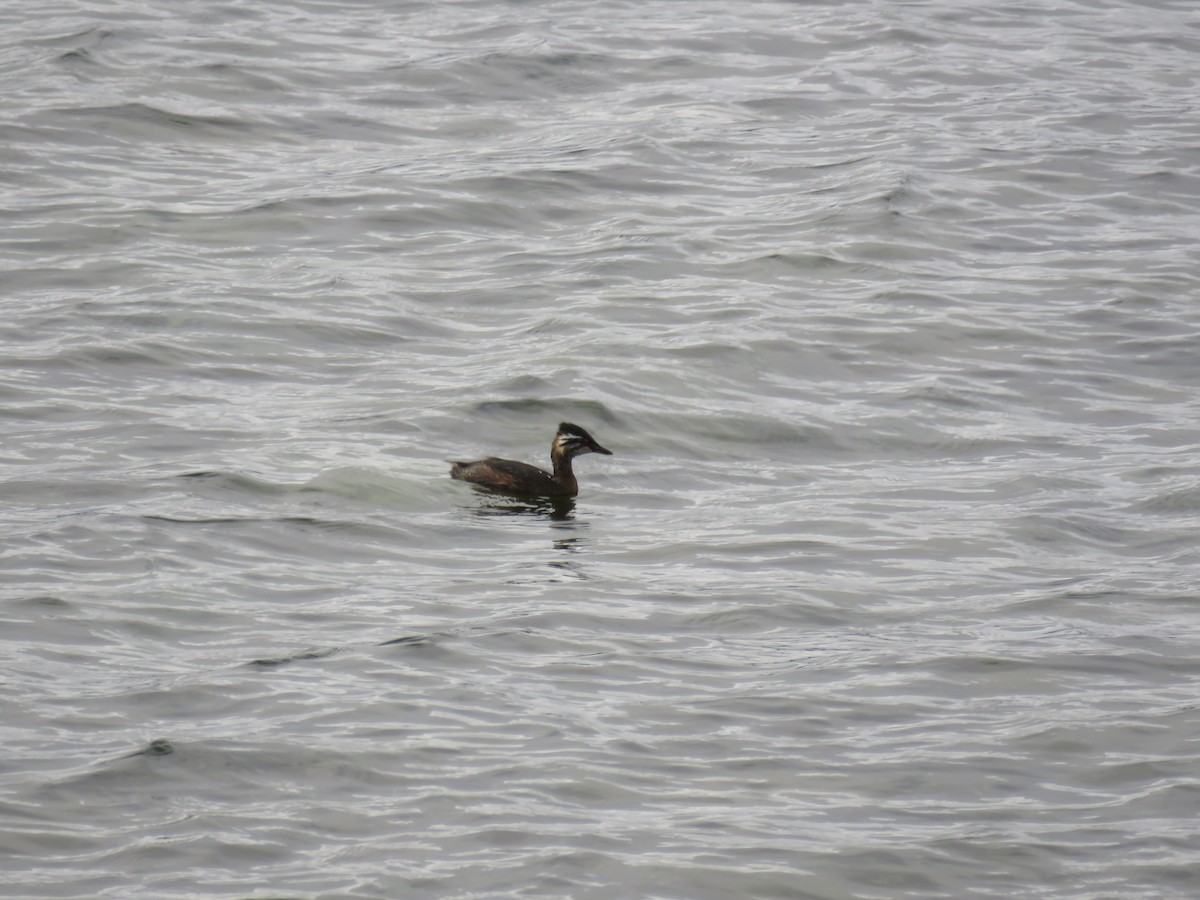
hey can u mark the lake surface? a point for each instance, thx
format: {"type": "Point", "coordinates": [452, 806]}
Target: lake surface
{"type": "Point", "coordinates": [890, 313]}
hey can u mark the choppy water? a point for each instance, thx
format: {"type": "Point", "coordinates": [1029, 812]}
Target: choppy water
{"type": "Point", "coordinates": [889, 311]}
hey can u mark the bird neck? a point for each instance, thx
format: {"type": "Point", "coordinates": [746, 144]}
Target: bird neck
{"type": "Point", "coordinates": [563, 473]}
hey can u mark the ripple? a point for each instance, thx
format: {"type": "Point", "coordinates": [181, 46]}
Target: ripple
{"type": "Point", "coordinates": [885, 310]}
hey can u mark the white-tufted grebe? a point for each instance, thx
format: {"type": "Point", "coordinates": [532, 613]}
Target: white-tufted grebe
{"type": "Point", "coordinates": [514, 477]}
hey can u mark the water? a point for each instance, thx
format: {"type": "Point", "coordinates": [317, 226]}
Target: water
{"type": "Point", "coordinates": [888, 312]}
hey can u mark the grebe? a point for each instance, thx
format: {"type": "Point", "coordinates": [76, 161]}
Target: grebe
{"type": "Point", "coordinates": [514, 477]}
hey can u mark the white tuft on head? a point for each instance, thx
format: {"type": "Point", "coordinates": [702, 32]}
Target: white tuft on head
{"type": "Point", "coordinates": [567, 443]}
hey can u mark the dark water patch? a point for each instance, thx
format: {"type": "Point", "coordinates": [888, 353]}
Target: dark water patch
{"type": "Point", "coordinates": [412, 640]}
{"type": "Point", "coordinates": [525, 384]}
{"type": "Point", "coordinates": [132, 357]}
{"type": "Point", "coordinates": [503, 77]}
{"type": "Point", "coordinates": [1084, 530]}
{"type": "Point", "coordinates": [1182, 501]}
{"type": "Point", "coordinates": [276, 661]}
{"type": "Point", "coordinates": [237, 483]}
{"type": "Point", "coordinates": [307, 521]}
{"type": "Point", "coordinates": [90, 36]}
{"type": "Point", "coordinates": [243, 77]}
{"type": "Point", "coordinates": [48, 601]}
{"type": "Point", "coordinates": [564, 408]}
{"type": "Point", "coordinates": [147, 122]}
{"type": "Point", "coordinates": [157, 747]}
{"type": "Point", "coordinates": [749, 430]}
{"type": "Point", "coordinates": [963, 397]}
{"type": "Point", "coordinates": [79, 56]}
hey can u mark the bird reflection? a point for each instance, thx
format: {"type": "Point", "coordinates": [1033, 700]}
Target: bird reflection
{"type": "Point", "coordinates": [557, 509]}
{"type": "Point", "coordinates": [567, 545]}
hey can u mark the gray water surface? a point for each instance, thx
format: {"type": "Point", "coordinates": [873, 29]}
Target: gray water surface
{"type": "Point", "coordinates": [890, 313]}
